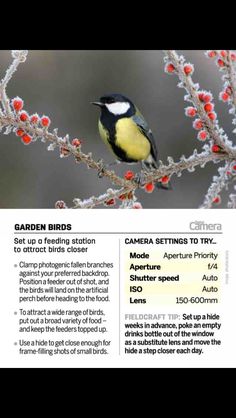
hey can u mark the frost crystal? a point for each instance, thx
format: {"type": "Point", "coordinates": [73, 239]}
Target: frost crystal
{"type": "Point", "coordinates": [8, 130]}
{"type": "Point", "coordinates": [52, 146]}
{"type": "Point", "coordinates": [21, 55]}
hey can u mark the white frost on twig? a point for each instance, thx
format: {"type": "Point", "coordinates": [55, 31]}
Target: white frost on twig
{"type": "Point", "coordinates": [219, 183]}
{"type": "Point", "coordinates": [215, 133]}
{"type": "Point", "coordinates": [19, 57]}
{"type": "Point", "coordinates": [232, 200]}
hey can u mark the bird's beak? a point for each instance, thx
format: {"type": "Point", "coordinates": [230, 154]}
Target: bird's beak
{"type": "Point", "coordinates": [98, 104]}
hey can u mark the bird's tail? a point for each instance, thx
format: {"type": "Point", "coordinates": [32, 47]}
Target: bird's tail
{"type": "Point", "coordinates": [150, 164]}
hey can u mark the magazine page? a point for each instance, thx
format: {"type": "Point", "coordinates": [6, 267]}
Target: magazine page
{"type": "Point", "coordinates": [117, 211]}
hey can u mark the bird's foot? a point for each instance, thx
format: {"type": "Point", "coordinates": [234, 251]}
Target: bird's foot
{"type": "Point", "coordinates": [139, 179]}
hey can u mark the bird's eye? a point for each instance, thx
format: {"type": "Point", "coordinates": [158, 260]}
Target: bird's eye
{"type": "Point", "coordinates": [110, 100]}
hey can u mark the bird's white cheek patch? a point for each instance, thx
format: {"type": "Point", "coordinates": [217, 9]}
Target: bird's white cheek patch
{"type": "Point", "coordinates": [118, 108]}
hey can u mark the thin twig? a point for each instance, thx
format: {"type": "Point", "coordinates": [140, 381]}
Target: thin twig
{"type": "Point", "coordinates": [99, 200]}
{"type": "Point", "coordinates": [219, 183]}
{"type": "Point", "coordinates": [172, 168]}
{"type": "Point", "coordinates": [232, 200]}
{"type": "Point", "coordinates": [232, 79]}
{"type": "Point", "coordinates": [212, 128]}
{"type": "Point", "coordinates": [19, 57]}
{"type": "Point", "coordinates": [37, 132]}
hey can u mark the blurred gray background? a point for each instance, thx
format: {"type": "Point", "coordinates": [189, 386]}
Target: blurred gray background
{"type": "Point", "coordinates": [61, 84]}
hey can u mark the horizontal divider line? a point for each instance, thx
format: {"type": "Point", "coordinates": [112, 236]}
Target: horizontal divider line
{"type": "Point", "coordinates": [119, 233]}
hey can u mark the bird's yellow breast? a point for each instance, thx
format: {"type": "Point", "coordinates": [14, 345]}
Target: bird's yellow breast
{"type": "Point", "coordinates": [130, 139]}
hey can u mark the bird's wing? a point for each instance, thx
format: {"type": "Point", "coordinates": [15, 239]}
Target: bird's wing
{"type": "Point", "coordinates": [142, 124]}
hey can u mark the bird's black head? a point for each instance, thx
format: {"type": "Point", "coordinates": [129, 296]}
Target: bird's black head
{"type": "Point", "coordinates": [116, 105]}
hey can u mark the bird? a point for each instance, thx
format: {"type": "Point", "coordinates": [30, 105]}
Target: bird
{"type": "Point", "coordinates": [123, 128]}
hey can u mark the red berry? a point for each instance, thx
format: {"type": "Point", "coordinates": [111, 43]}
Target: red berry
{"type": "Point", "coordinates": [149, 187]}
{"type": "Point", "coordinates": [208, 107]}
{"type": "Point", "coordinates": [233, 56]}
{"type": "Point", "coordinates": [207, 97]}
{"type": "Point", "coordinates": [34, 118]}
{"type": "Point", "coordinates": [217, 200]}
{"type": "Point", "coordinates": [137, 205]}
{"type": "Point", "coordinates": [211, 54]}
{"type": "Point", "coordinates": [223, 53]}
{"type": "Point", "coordinates": [129, 175]}
{"type": "Point", "coordinates": [110, 202]}
{"type": "Point", "coordinates": [19, 132]}
{"type": "Point", "coordinates": [220, 62]}
{"type": "Point", "coordinates": [228, 90]}
{"type": "Point", "coordinates": [234, 167]}
{"type": "Point", "coordinates": [215, 148]}
{"type": "Point", "coordinates": [224, 96]}
{"type": "Point", "coordinates": [26, 139]}
{"type": "Point", "coordinates": [201, 95]}
{"type": "Point", "coordinates": [165, 179]}
{"type": "Point", "coordinates": [24, 116]}
{"type": "Point", "coordinates": [45, 121]}
{"type": "Point", "coordinates": [202, 135]}
{"type": "Point", "coordinates": [123, 196]}
{"type": "Point", "coordinates": [17, 104]}
{"type": "Point", "coordinates": [190, 111]}
{"type": "Point", "coordinates": [188, 69]}
{"type": "Point", "coordinates": [212, 115]}
{"type": "Point", "coordinates": [169, 68]}
{"type": "Point", "coordinates": [197, 124]}
{"type": "Point", "coordinates": [76, 142]}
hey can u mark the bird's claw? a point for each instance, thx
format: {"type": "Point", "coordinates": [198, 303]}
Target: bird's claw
{"type": "Point", "coordinates": [139, 179]}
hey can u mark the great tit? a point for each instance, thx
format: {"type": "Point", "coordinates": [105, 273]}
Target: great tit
{"type": "Point", "coordinates": [123, 128]}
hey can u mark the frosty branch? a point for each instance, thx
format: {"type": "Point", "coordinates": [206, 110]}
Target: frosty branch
{"type": "Point", "coordinates": [13, 118]}
{"type": "Point", "coordinates": [203, 108]}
